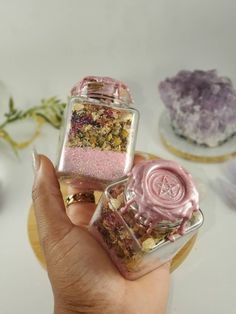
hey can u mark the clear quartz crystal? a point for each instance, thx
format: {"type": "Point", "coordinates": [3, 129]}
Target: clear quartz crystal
{"type": "Point", "coordinates": [134, 249]}
{"type": "Point", "coordinates": [99, 134]}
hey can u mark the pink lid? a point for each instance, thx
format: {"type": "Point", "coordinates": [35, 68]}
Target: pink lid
{"type": "Point", "coordinates": [163, 191]}
{"type": "Point", "coordinates": [102, 88]}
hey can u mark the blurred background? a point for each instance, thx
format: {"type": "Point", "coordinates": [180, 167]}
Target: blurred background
{"type": "Point", "coordinates": [45, 47]}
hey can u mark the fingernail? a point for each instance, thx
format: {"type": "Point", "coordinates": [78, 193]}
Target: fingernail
{"type": "Point", "coordinates": [35, 160]}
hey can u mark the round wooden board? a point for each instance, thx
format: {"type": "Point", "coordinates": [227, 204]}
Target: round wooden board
{"type": "Point", "coordinates": [34, 239]}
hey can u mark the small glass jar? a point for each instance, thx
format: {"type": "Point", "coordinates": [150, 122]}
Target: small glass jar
{"type": "Point", "coordinates": [144, 220]}
{"type": "Point", "coordinates": [98, 139]}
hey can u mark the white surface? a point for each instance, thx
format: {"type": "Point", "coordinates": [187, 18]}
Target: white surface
{"type": "Point", "coordinates": [48, 45]}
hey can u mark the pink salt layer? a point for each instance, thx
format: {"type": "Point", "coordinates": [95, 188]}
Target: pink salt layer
{"type": "Point", "coordinates": [95, 163]}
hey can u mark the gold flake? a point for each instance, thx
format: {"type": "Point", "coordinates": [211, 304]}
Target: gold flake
{"type": "Point", "coordinates": [148, 244]}
{"type": "Point", "coordinates": [78, 107]}
{"type": "Point", "coordinates": [115, 203]}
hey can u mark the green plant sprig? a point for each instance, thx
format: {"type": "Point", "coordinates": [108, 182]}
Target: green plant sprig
{"type": "Point", "coordinates": [48, 111]}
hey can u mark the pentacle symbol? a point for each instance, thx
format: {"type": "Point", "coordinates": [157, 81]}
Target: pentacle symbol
{"type": "Point", "coordinates": [169, 187]}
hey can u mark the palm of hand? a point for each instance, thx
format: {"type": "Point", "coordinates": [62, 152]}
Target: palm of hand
{"type": "Point", "coordinates": [83, 275]}
{"type": "Point", "coordinates": [83, 278]}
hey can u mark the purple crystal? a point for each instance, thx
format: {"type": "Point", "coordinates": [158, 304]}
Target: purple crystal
{"type": "Point", "coordinates": [201, 106]}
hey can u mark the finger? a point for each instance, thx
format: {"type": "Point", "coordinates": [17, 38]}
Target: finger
{"type": "Point", "coordinates": [156, 285]}
{"type": "Point", "coordinates": [157, 282]}
{"type": "Point", "coordinates": [80, 214]}
{"type": "Point", "coordinates": [137, 159]}
{"type": "Point", "coordinates": [152, 280]}
{"type": "Point", "coordinates": [51, 218]}
{"type": "Point", "coordinates": [140, 156]}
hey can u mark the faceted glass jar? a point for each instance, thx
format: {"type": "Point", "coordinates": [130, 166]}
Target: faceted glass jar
{"type": "Point", "coordinates": [133, 248]}
{"type": "Point", "coordinates": [97, 142]}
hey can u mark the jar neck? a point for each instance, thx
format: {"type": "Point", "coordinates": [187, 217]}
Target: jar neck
{"type": "Point", "coordinates": [107, 101]}
{"type": "Point", "coordinates": [104, 89]}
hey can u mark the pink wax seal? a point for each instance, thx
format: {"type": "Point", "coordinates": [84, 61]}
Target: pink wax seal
{"type": "Point", "coordinates": [163, 192]}
{"type": "Point", "coordinates": [102, 87]}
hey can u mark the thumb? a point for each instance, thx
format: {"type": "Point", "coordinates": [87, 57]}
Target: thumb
{"type": "Point", "coordinates": [52, 221]}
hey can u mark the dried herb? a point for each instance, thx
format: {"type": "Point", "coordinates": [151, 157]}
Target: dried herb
{"type": "Point", "coordinates": [113, 226]}
{"type": "Point", "coordinates": [99, 127]}
{"type": "Point", "coordinates": [48, 111]}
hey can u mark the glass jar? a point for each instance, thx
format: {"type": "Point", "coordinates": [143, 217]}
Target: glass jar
{"type": "Point", "coordinates": [144, 220]}
{"type": "Point", "coordinates": [98, 139]}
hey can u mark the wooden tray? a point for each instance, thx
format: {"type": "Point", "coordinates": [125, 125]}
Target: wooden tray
{"type": "Point", "coordinates": [34, 240]}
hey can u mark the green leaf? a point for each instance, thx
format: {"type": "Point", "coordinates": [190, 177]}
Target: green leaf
{"type": "Point", "coordinates": [11, 106]}
{"type": "Point", "coordinates": [50, 110]}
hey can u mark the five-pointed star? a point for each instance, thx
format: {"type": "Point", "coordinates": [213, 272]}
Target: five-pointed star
{"type": "Point", "coordinates": [168, 188]}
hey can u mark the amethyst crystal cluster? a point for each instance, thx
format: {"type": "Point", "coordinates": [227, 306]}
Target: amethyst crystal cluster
{"type": "Point", "coordinates": [201, 105]}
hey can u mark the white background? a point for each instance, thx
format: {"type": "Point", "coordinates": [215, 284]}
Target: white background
{"type": "Point", "coordinates": [48, 45]}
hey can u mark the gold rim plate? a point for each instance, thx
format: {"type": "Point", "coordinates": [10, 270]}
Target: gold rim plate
{"type": "Point", "coordinates": [183, 148]}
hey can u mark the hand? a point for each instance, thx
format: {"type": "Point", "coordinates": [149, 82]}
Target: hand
{"type": "Point", "coordinates": [83, 278]}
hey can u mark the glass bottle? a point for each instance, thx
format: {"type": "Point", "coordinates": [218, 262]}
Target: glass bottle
{"type": "Point", "coordinates": [144, 220]}
{"type": "Point", "coordinates": [99, 134]}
